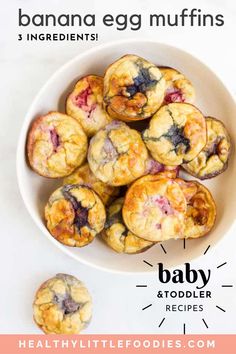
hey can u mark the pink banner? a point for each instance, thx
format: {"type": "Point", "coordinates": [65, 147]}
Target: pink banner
{"type": "Point", "coordinates": [114, 344]}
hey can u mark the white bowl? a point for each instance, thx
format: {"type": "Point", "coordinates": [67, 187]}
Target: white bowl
{"type": "Point", "coordinates": [212, 98]}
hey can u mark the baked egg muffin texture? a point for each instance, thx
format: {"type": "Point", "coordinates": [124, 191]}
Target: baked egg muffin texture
{"type": "Point", "coordinates": [201, 209]}
{"type": "Point", "coordinates": [75, 215]}
{"type": "Point", "coordinates": [85, 103]}
{"type": "Point", "coordinates": [117, 155]}
{"type": "Point", "coordinates": [56, 145]}
{"type": "Point", "coordinates": [133, 88]}
{"type": "Point", "coordinates": [84, 175]}
{"type": "Point", "coordinates": [176, 134]}
{"type": "Point", "coordinates": [213, 159]}
{"type": "Point", "coordinates": [116, 234]}
{"type": "Point", "coordinates": [178, 87]}
{"type": "Point", "coordinates": [62, 305]}
{"type": "Point", "coordinates": [154, 208]}
{"type": "Point", "coordinates": [153, 167]}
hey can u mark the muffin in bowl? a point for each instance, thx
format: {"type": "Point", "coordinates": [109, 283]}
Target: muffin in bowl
{"type": "Point", "coordinates": [133, 88]}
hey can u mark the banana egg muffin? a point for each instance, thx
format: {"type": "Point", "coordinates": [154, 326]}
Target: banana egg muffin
{"type": "Point", "coordinates": [154, 208]}
{"type": "Point", "coordinates": [62, 305]}
{"type": "Point", "coordinates": [117, 155]}
{"type": "Point", "coordinates": [213, 159]}
{"type": "Point", "coordinates": [178, 87]}
{"type": "Point", "coordinates": [84, 175]}
{"type": "Point", "coordinates": [133, 88]}
{"type": "Point", "coordinates": [117, 236]}
{"type": "Point", "coordinates": [85, 103]}
{"type": "Point", "coordinates": [56, 145]}
{"type": "Point", "coordinates": [201, 209]}
{"type": "Point", "coordinates": [75, 215]}
{"type": "Point", "coordinates": [176, 134]}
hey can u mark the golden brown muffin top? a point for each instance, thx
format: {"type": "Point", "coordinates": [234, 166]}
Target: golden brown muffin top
{"type": "Point", "coordinates": [154, 208]}
{"type": "Point", "coordinates": [133, 88]}
{"type": "Point", "coordinates": [75, 215]}
{"type": "Point", "coordinates": [117, 155]}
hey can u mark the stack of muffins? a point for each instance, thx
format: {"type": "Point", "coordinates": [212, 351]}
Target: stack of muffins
{"type": "Point", "coordinates": [121, 176]}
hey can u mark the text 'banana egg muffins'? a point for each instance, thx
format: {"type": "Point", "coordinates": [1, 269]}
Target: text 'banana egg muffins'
{"type": "Point", "coordinates": [85, 103]}
{"type": "Point", "coordinates": [62, 305]}
{"type": "Point", "coordinates": [117, 155]}
{"type": "Point", "coordinates": [75, 215]}
{"type": "Point", "coordinates": [56, 145]}
{"type": "Point", "coordinates": [133, 88]}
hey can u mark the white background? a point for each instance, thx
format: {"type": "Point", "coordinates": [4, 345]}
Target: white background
{"type": "Point", "coordinates": [27, 257]}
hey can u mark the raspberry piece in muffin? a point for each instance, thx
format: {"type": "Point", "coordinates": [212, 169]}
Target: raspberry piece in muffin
{"type": "Point", "coordinates": [85, 103]}
{"type": "Point", "coordinates": [154, 208]}
{"type": "Point", "coordinates": [178, 87]}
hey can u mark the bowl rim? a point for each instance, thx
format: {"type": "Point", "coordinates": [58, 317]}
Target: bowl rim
{"type": "Point", "coordinates": [28, 116]}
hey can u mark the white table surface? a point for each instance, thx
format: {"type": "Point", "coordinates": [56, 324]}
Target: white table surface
{"type": "Point", "coordinates": [27, 257]}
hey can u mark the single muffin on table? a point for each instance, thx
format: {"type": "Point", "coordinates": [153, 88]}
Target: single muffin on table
{"type": "Point", "coordinates": [62, 305]}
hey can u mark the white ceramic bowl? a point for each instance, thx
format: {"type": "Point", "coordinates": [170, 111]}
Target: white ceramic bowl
{"type": "Point", "coordinates": [212, 99]}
